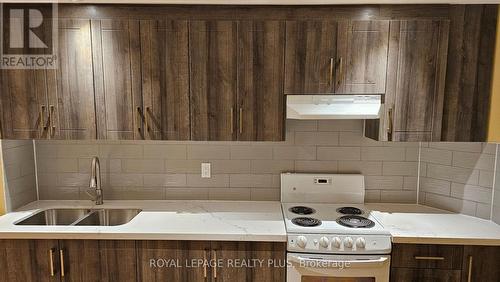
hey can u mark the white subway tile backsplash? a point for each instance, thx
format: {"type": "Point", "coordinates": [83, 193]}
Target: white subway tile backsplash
{"type": "Point", "coordinates": [327, 138]}
{"type": "Point", "coordinates": [400, 168]}
{"type": "Point", "coordinates": [294, 153]}
{"type": "Point", "coordinates": [208, 152]}
{"type": "Point", "coordinates": [383, 153]}
{"type": "Point", "coordinates": [363, 167]}
{"type": "Point", "coordinates": [251, 152]}
{"type": "Point", "coordinates": [316, 166]}
{"type": "Point", "coordinates": [339, 153]}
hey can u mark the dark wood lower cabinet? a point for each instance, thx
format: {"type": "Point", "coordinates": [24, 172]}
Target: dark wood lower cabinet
{"type": "Point", "coordinates": [444, 263]}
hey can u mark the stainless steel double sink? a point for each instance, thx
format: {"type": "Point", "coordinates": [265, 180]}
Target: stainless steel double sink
{"type": "Point", "coordinates": [81, 217]}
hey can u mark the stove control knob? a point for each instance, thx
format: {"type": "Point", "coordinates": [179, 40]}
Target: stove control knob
{"type": "Point", "coordinates": [348, 242]}
{"type": "Point", "coordinates": [301, 241]}
{"type": "Point", "coordinates": [360, 243]}
{"type": "Point", "coordinates": [323, 242]}
{"type": "Point", "coordinates": [336, 242]}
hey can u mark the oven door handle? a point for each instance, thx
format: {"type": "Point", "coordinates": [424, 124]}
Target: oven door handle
{"type": "Point", "coordinates": [353, 263]}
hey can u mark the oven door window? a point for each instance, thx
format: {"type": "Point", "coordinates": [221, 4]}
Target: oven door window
{"type": "Point", "coordinates": [336, 279]}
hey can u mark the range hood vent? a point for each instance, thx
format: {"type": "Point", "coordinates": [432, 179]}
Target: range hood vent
{"type": "Point", "coordinates": [333, 106]}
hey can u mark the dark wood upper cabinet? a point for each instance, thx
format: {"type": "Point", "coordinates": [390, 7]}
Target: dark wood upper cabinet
{"type": "Point", "coordinates": [116, 51]}
{"type": "Point", "coordinates": [165, 79]}
{"type": "Point", "coordinates": [260, 81]}
{"type": "Point", "coordinates": [71, 111]}
{"type": "Point", "coordinates": [310, 57]}
{"type": "Point", "coordinates": [213, 75]}
{"type": "Point", "coordinates": [415, 82]}
{"type": "Point", "coordinates": [362, 49]}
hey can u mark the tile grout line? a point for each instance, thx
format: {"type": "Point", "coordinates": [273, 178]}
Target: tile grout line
{"type": "Point", "coordinates": [494, 182]}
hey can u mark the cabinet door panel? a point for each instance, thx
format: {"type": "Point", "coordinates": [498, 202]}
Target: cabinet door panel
{"type": "Point", "coordinates": [363, 48]}
{"type": "Point", "coordinates": [165, 79]}
{"type": "Point", "coordinates": [116, 53]}
{"type": "Point", "coordinates": [260, 80]}
{"type": "Point", "coordinates": [80, 260]}
{"type": "Point", "coordinates": [256, 258]}
{"type": "Point", "coordinates": [213, 56]}
{"type": "Point", "coordinates": [166, 261]}
{"type": "Point", "coordinates": [310, 57]}
{"type": "Point", "coordinates": [24, 104]}
{"type": "Point", "coordinates": [72, 85]}
{"type": "Point", "coordinates": [481, 264]}
{"type": "Point", "coordinates": [28, 260]}
{"type": "Point", "coordinates": [424, 275]}
{"type": "Point", "coordinates": [118, 260]}
{"type": "Point", "coordinates": [416, 77]}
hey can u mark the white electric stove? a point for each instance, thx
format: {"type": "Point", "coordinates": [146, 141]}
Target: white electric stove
{"type": "Point", "coordinates": [331, 233]}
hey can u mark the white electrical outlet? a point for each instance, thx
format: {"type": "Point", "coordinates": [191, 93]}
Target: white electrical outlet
{"type": "Point", "coordinates": [206, 170]}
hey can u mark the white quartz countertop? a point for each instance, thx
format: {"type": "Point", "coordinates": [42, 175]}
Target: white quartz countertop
{"type": "Point", "coordinates": [161, 220]}
{"type": "Point", "coordinates": [425, 225]}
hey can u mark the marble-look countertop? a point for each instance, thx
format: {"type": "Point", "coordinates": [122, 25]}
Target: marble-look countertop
{"type": "Point", "coordinates": [161, 220]}
{"type": "Point", "coordinates": [425, 225]}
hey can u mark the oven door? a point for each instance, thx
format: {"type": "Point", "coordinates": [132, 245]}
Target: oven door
{"type": "Point", "coordinates": [337, 268]}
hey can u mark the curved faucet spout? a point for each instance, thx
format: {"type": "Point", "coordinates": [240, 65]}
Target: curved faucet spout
{"type": "Point", "coordinates": [95, 181]}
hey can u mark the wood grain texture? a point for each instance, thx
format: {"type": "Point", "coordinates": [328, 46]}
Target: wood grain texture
{"type": "Point", "coordinates": [228, 252]}
{"type": "Point", "coordinates": [118, 261]}
{"type": "Point", "coordinates": [424, 275]}
{"type": "Point", "coordinates": [71, 86]}
{"type": "Point", "coordinates": [27, 260]}
{"type": "Point", "coordinates": [415, 90]}
{"type": "Point", "coordinates": [213, 76]}
{"type": "Point", "coordinates": [116, 48]}
{"type": "Point", "coordinates": [261, 101]}
{"type": "Point", "coordinates": [165, 79]}
{"type": "Point", "coordinates": [363, 47]}
{"type": "Point", "coordinates": [485, 262]}
{"type": "Point", "coordinates": [469, 76]}
{"type": "Point", "coordinates": [178, 252]}
{"type": "Point", "coordinates": [81, 260]}
{"type": "Point", "coordinates": [309, 55]}
{"type": "Point", "coordinates": [403, 255]}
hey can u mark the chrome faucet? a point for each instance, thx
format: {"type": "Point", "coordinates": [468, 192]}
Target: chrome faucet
{"type": "Point", "coordinates": [95, 190]}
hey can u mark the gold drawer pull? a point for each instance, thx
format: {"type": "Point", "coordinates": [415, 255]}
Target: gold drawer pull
{"type": "Point", "coordinates": [61, 256]}
{"type": "Point", "coordinates": [215, 266]}
{"type": "Point", "coordinates": [51, 262]}
{"type": "Point", "coordinates": [428, 258]}
{"type": "Point", "coordinates": [469, 274]}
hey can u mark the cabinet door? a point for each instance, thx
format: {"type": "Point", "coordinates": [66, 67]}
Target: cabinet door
{"type": "Point", "coordinates": [165, 79]}
{"type": "Point", "coordinates": [118, 260]}
{"type": "Point", "coordinates": [260, 81]}
{"type": "Point", "coordinates": [415, 90]}
{"type": "Point", "coordinates": [481, 264]}
{"type": "Point", "coordinates": [29, 260]}
{"type": "Point", "coordinates": [183, 261]}
{"type": "Point", "coordinates": [213, 76]}
{"type": "Point", "coordinates": [310, 57]}
{"type": "Point", "coordinates": [116, 59]}
{"type": "Point", "coordinates": [248, 261]}
{"type": "Point", "coordinates": [71, 96]}
{"type": "Point", "coordinates": [23, 95]}
{"type": "Point", "coordinates": [80, 260]}
{"type": "Point", "coordinates": [362, 49]}
{"type": "Point", "coordinates": [424, 275]}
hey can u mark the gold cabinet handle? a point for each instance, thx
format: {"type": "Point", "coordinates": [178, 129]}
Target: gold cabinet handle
{"type": "Point", "coordinates": [146, 123]}
{"type": "Point", "coordinates": [61, 257]}
{"type": "Point", "coordinates": [428, 258]}
{"type": "Point", "coordinates": [42, 117]}
{"type": "Point", "coordinates": [51, 120]}
{"type": "Point", "coordinates": [330, 75]}
{"type": "Point", "coordinates": [390, 128]}
{"type": "Point", "coordinates": [205, 264]}
{"type": "Point", "coordinates": [51, 262]}
{"type": "Point", "coordinates": [341, 71]}
{"type": "Point", "coordinates": [138, 120]}
{"type": "Point", "coordinates": [215, 265]}
{"type": "Point", "coordinates": [469, 274]}
{"type": "Point", "coordinates": [231, 120]}
{"type": "Point", "coordinates": [241, 120]}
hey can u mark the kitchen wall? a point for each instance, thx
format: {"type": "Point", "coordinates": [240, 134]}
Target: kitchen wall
{"type": "Point", "coordinates": [240, 170]}
{"type": "Point", "coordinates": [458, 177]}
{"type": "Point", "coordinates": [18, 173]}
{"type": "Point", "coordinates": [496, 191]}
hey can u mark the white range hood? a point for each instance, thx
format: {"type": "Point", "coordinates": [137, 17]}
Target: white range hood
{"type": "Point", "coordinates": [333, 106]}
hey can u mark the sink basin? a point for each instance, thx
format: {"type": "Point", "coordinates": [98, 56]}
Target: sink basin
{"type": "Point", "coordinates": [108, 217]}
{"type": "Point", "coordinates": [55, 217]}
